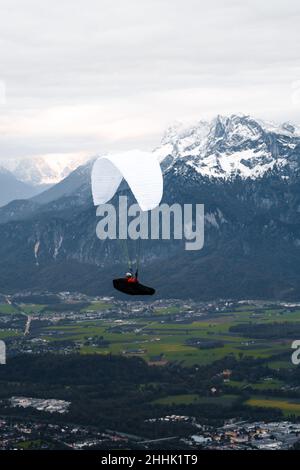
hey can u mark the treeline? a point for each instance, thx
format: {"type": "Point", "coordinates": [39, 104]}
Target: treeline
{"type": "Point", "coordinates": [274, 330]}
{"type": "Point", "coordinates": [119, 393]}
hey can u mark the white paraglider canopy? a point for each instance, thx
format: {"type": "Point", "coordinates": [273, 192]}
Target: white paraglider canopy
{"type": "Point", "coordinates": [140, 169]}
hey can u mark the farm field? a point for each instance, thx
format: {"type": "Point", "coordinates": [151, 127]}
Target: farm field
{"type": "Point", "coordinates": [225, 400]}
{"type": "Point", "coordinates": [171, 334]}
{"type": "Point", "coordinates": [164, 335]}
{"type": "Point", "coordinates": [289, 407]}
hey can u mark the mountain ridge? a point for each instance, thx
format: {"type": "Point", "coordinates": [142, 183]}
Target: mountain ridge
{"type": "Point", "coordinates": [45, 170]}
{"type": "Point", "coordinates": [237, 145]}
{"type": "Point", "coordinates": [252, 229]}
{"type": "Point", "coordinates": [12, 188]}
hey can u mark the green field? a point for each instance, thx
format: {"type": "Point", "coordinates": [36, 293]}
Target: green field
{"type": "Point", "coordinates": [167, 310]}
{"type": "Point", "coordinates": [168, 337]}
{"type": "Point", "coordinates": [7, 308]}
{"type": "Point", "coordinates": [31, 308]}
{"type": "Point", "coordinates": [272, 384]}
{"type": "Point", "coordinates": [96, 307]}
{"type": "Point", "coordinates": [187, 399]}
{"type": "Point", "coordinates": [287, 406]}
{"type": "Point", "coordinates": [8, 333]}
{"type": "Point", "coordinates": [161, 334]}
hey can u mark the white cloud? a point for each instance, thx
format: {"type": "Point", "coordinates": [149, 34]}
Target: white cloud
{"type": "Point", "coordinates": [93, 75]}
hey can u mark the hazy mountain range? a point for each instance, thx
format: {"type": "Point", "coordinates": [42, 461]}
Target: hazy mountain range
{"type": "Point", "coordinates": [22, 178]}
{"type": "Point", "coordinates": [245, 171]}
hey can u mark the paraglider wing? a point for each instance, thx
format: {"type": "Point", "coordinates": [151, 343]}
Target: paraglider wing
{"type": "Point", "coordinates": [106, 179]}
{"type": "Point", "coordinates": [134, 288]}
{"type": "Point", "coordinates": [143, 174]}
{"type": "Point", "coordinates": [140, 169]}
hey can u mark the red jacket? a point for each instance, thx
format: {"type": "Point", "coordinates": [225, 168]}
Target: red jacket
{"type": "Point", "coordinates": [132, 279]}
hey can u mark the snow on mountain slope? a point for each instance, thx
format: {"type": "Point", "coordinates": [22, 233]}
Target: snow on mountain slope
{"type": "Point", "coordinates": [224, 147]}
{"type": "Point", "coordinates": [45, 170]}
{"type": "Point", "coordinates": [229, 146]}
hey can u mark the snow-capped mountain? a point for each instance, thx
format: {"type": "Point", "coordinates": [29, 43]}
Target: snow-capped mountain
{"type": "Point", "coordinates": [225, 147]}
{"type": "Point", "coordinates": [45, 170]}
{"type": "Point", "coordinates": [230, 146]}
{"type": "Point", "coordinates": [247, 175]}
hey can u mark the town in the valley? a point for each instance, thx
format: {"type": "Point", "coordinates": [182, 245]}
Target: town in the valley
{"type": "Point", "coordinates": [86, 372]}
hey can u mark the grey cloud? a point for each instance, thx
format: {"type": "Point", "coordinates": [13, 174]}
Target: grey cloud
{"type": "Point", "coordinates": [140, 60]}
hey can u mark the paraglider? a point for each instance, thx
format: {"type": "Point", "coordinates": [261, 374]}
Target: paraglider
{"type": "Point", "coordinates": [131, 286]}
{"type": "Point", "coordinates": [142, 172]}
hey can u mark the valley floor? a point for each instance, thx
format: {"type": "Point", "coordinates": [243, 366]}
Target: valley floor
{"type": "Point", "coordinates": [193, 367]}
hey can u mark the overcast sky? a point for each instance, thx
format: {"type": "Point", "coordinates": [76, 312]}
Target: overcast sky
{"type": "Point", "coordinates": [103, 75]}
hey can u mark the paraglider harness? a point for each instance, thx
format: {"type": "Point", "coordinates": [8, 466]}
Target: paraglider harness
{"type": "Point", "coordinates": [131, 286]}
